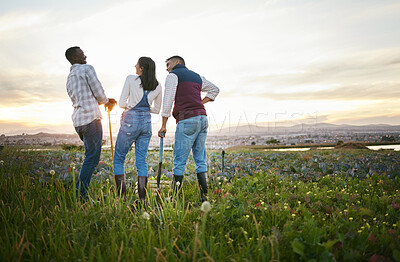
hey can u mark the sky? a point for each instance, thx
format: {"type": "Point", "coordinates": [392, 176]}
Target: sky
{"type": "Point", "coordinates": [275, 61]}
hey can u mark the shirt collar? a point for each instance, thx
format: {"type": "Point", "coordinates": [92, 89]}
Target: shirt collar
{"type": "Point", "coordinates": [179, 66]}
{"type": "Point", "coordinates": [75, 65]}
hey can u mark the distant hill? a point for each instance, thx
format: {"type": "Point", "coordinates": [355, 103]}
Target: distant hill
{"type": "Point", "coordinates": [31, 131]}
{"type": "Point", "coordinates": [301, 128]}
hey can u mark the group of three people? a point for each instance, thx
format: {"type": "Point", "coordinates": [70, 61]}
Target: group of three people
{"type": "Point", "coordinates": [141, 96]}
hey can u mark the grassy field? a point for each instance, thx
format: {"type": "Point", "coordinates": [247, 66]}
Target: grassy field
{"type": "Point", "coordinates": [330, 205]}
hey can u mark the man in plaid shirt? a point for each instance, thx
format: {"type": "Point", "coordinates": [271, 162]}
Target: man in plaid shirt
{"type": "Point", "coordinates": [86, 93]}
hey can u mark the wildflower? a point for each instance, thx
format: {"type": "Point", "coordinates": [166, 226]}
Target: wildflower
{"type": "Point", "coordinates": [178, 183]}
{"type": "Point", "coordinates": [350, 218]}
{"type": "Point", "coordinates": [217, 191]}
{"type": "Point", "coordinates": [293, 215]}
{"type": "Point", "coordinates": [205, 207]}
{"type": "Point", "coordinates": [52, 172]}
{"type": "Point", "coordinates": [145, 216]}
{"type": "Point", "coordinates": [372, 238]}
{"type": "Point", "coordinates": [72, 165]}
{"type": "Point", "coordinates": [1, 162]}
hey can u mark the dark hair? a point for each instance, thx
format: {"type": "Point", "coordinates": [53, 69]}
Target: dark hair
{"type": "Point", "coordinates": [148, 77]}
{"type": "Point", "coordinates": [70, 53]}
{"type": "Point", "coordinates": [176, 57]}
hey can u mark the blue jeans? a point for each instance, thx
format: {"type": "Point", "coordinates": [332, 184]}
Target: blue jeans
{"type": "Point", "coordinates": [91, 135]}
{"type": "Point", "coordinates": [135, 127]}
{"type": "Point", "coordinates": [190, 134]}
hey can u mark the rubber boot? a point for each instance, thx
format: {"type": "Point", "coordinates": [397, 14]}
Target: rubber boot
{"type": "Point", "coordinates": [142, 183]}
{"type": "Point", "coordinates": [176, 187]}
{"type": "Point", "coordinates": [202, 179]}
{"type": "Point", "coordinates": [121, 186]}
{"type": "Point", "coordinates": [177, 184]}
{"type": "Point", "coordinates": [141, 188]}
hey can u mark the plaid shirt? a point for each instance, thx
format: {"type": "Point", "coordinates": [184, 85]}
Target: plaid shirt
{"type": "Point", "coordinates": [86, 93]}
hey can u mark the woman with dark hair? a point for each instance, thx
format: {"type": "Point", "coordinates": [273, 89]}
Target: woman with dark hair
{"type": "Point", "coordinates": [139, 93]}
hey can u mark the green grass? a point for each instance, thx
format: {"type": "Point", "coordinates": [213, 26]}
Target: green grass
{"type": "Point", "coordinates": [265, 216]}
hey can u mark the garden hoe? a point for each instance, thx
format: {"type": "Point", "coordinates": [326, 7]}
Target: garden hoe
{"type": "Point", "coordinates": [111, 141]}
{"type": "Point", "coordinates": [160, 162]}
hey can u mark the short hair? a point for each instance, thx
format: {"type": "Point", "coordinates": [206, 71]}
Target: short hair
{"type": "Point", "coordinates": [70, 53]}
{"type": "Point", "coordinates": [176, 57]}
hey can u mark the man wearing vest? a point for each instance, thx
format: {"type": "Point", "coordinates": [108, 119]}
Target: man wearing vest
{"type": "Point", "coordinates": [183, 88]}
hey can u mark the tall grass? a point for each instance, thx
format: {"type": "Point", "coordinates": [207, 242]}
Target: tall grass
{"type": "Point", "coordinates": [263, 217]}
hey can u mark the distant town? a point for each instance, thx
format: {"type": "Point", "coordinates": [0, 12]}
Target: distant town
{"type": "Point", "coordinates": [241, 136]}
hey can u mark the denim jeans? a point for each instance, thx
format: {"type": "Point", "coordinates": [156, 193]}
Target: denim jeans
{"type": "Point", "coordinates": [190, 134]}
{"type": "Point", "coordinates": [91, 135]}
{"type": "Point", "coordinates": [135, 127]}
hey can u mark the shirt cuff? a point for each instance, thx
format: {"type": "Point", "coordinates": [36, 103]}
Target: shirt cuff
{"type": "Point", "coordinates": [211, 96]}
{"type": "Point", "coordinates": [165, 115]}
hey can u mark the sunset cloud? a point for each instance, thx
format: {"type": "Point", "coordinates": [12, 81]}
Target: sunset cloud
{"type": "Point", "coordinates": [28, 87]}
{"type": "Point", "coordinates": [373, 92]}
{"type": "Point", "coordinates": [272, 60]}
{"type": "Point", "coordinates": [362, 67]}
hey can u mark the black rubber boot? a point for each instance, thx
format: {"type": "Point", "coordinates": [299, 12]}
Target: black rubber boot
{"type": "Point", "coordinates": [121, 186]}
{"type": "Point", "coordinates": [176, 185]}
{"type": "Point", "coordinates": [141, 188]}
{"type": "Point", "coordinates": [202, 179]}
{"type": "Point", "coordinates": [142, 184]}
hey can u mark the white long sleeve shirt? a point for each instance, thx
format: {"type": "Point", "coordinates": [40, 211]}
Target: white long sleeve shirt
{"type": "Point", "coordinates": [171, 84]}
{"type": "Point", "coordinates": [132, 93]}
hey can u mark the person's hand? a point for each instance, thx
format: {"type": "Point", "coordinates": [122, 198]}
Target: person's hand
{"type": "Point", "coordinates": [162, 131]}
{"type": "Point", "coordinates": [206, 100]}
{"type": "Point", "coordinates": [110, 104]}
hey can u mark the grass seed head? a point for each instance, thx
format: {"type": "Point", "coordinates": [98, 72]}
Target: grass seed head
{"type": "Point", "coordinates": [145, 216]}
{"type": "Point", "coordinates": [205, 207]}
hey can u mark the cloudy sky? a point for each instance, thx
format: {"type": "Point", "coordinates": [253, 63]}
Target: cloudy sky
{"type": "Point", "coordinates": [332, 61]}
